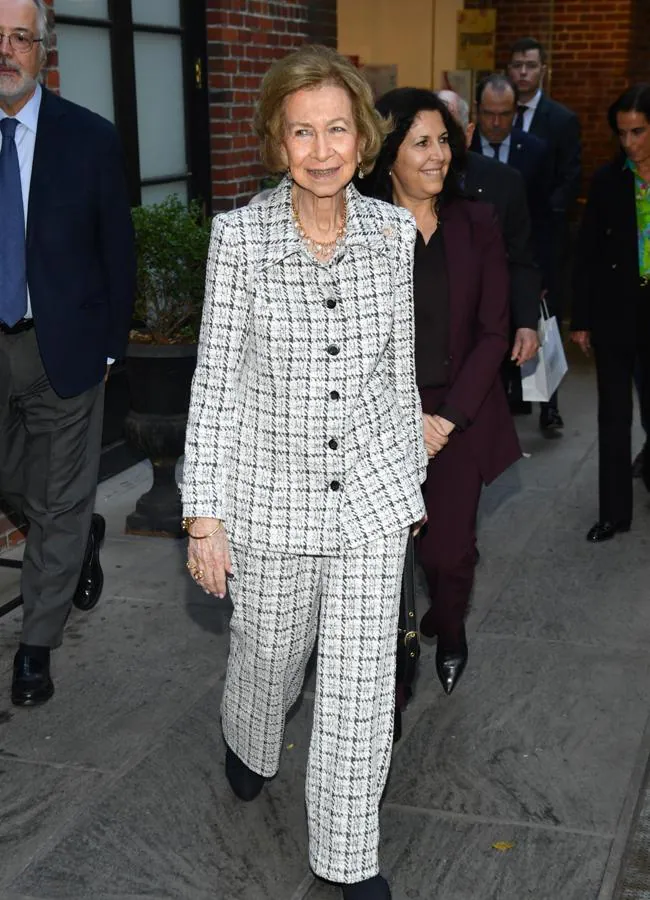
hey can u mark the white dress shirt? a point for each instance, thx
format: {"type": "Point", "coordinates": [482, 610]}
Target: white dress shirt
{"type": "Point", "coordinates": [25, 144]}
{"type": "Point", "coordinates": [488, 150]}
{"type": "Point", "coordinates": [531, 106]}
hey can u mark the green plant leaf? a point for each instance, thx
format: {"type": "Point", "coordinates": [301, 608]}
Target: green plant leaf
{"type": "Point", "coordinates": [172, 242]}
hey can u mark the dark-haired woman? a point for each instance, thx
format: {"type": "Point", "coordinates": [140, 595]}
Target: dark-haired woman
{"type": "Point", "coordinates": [461, 336]}
{"type": "Point", "coordinates": [611, 309]}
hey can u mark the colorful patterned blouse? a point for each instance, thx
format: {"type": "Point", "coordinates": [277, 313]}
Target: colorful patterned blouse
{"type": "Point", "coordinates": [642, 196]}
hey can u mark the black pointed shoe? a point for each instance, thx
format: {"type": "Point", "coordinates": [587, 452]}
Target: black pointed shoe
{"type": "Point", "coordinates": [605, 531]}
{"type": "Point", "coordinates": [375, 888]}
{"type": "Point", "coordinates": [31, 684]}
{"type": "Point", "coordinates": [451, 663]}
{"type": "Point", "coordinates": [91, 580]}
{"type": "Point", "coordinates": [245, 783]}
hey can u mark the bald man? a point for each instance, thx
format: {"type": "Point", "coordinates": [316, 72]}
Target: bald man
{"type": "Point", "coordinates": [504, 188]}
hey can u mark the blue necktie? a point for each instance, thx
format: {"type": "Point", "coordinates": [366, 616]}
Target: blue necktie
{"type": "Point", "coordinates": [521, 112]}
{"type": "Point", "coordinates": [13, 277]}
{"type": "Point", "coordinates": [496, 148]}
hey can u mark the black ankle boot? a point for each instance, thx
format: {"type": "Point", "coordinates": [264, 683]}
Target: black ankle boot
{"type": "Point", "coordinates": [245, 783]}
{"type": "Point", "coordinates": [375, 888]}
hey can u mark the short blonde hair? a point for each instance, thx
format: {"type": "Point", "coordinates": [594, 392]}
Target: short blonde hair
{"type": "Point", "coordinates": [310, 67]}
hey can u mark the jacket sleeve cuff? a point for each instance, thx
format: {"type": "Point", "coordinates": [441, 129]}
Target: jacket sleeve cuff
{"type": "Point", "coordinates": [458, 418]}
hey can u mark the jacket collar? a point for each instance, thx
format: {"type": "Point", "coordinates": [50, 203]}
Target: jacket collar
{"type": "Point", "coordinates": [281, 239]}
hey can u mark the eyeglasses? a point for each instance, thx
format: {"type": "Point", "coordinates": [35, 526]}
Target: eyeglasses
{"type": "Point", "coordinates": [20, 41]}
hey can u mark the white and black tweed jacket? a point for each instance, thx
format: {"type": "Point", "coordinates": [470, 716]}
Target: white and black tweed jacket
{"type": "Point", "coordinates": [305, 427]}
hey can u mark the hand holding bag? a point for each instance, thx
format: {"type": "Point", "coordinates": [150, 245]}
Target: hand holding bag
{"type": "Point", "coordinates": [541, 375]}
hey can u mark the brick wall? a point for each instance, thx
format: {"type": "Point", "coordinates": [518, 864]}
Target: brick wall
{"type": "Point", "coordinates": [596, 48]}
{"type": "Point", "coordinates": [244, 37]}
{"type": "Point", "coordinates": [11, 529]}
{"type": "Point", "coordinates": [51, 74]}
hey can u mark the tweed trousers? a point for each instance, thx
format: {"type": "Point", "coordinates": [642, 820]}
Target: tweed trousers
{"type": "Point", "coordinates": [282, 603]}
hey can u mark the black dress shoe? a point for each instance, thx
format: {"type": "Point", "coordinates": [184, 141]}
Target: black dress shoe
{"type": "Point", "coordinates": [91, 580]}
{"type": "Point", "coordinates": [31, 684]}
{"type": "Point", "coordinates": [550, 422]}
{"type": "Point", "coordinates": [605, 531]}
{"type": "Point", "coordinates": [245, 783]}
{"type": "Point", "coordinates": [375, 888]}
{"type": "Point", "coordinates": [451, 663]}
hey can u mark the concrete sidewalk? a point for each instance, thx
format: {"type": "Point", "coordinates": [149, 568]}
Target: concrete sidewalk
{"type": "Point", "coordinates": [115, 789]}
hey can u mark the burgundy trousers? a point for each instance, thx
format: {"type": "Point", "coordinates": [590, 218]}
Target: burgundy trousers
{"type": "Point", "coordinates": [447, 545]}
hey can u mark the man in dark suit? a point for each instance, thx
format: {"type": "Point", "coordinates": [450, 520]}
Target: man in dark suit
{"type": "Point", "coordinates": [495, 138]}
{"type": "Point", "coordinates": [505, 189]}
{"type": "Point", "coordinates": [66, 293]}
{"type": "Point", "coordinates": [611, 308]}
{"type": "Point", "coordinates": [539, 115]}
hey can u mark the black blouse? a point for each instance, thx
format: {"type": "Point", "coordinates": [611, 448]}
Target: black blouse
{"type": "Point", "coordinates": [431, 297]}
{"type": "Point", "coordinates": [432, 319]}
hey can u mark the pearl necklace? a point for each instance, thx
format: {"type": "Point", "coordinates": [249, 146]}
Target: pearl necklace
{"type": "Point", "coordinates": [323, 249]}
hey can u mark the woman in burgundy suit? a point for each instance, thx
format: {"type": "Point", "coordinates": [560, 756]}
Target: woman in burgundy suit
{"type": "Point", "coordinates": [461, 337]}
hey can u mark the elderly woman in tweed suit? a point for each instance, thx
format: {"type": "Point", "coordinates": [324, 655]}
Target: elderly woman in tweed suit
{"type": "Point", "coordinates": [305, 456]}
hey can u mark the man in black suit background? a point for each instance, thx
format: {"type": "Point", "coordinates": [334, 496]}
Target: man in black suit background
{"type": "Point", "coordinates": [505, 189]}
{"type": "Point", "coordinates": [67, 274]}
{"type": "Point", "coordinates": [539, 115]}
{"type": "Point", "coordinates": [496, 138]}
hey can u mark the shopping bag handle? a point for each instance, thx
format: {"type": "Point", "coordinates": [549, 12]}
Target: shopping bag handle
{"type": "Point", "coordinates": [544, 309]}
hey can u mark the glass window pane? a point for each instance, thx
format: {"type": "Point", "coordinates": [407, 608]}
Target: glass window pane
{"type": "Point", "coordinates": [156, 193]}
{"type": "Point", "coordinates": [85, 67]}
{"type": "Point", "coordinates": [91, 9]}
{"type": "Point", "coordinates": [161, 106]}
{"type": "Point", "coordinates": [157, 12]}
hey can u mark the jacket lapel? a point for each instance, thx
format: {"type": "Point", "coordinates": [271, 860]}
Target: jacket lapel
{"type": "Point", "coordinates": [45, 155]}
{"type": "Point", "coordinates": [538, 124]}
{"type": "Point", "coordinates": [624, 208]}
{"type": "Point", "coordinates": [457, 240]}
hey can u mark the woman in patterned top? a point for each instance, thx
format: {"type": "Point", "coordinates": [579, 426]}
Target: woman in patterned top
{"type": "Point", "coordinates": [305, 455]}
{"type": "Point", "coordinates": [611, 309]}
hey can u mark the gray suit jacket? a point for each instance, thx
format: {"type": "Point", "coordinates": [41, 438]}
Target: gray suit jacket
{"type": "Point", "coordinates": [305, 426]}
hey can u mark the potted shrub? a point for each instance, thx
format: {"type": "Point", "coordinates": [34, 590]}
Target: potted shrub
{"type": "Point", "coordinates": [172, 243]}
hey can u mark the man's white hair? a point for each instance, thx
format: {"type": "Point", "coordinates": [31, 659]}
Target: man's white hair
{"type": "Point", "coordinates": [458, 107]}
{"type": "Point", "coordinates": [44, 25]}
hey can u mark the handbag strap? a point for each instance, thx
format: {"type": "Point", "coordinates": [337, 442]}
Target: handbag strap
{"type": "Point", "coordinates": [407, 613]}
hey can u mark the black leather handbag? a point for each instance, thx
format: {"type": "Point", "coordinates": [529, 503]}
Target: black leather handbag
{"type": "Point", "coordinates": [408, 639]}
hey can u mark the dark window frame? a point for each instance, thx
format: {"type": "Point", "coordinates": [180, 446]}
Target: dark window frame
{"type": "Point", "coordinates": [192, 31]}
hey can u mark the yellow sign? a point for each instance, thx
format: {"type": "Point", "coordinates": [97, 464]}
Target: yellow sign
{"type": "Point", "coordinates": [476, 39]}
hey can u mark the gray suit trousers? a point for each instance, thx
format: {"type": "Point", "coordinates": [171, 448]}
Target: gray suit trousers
{"type": "Point", "coordinates": [49, 459]}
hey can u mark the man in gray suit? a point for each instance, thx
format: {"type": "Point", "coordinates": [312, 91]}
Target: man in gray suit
{"type": "Point", "coordinates": [66, 295]}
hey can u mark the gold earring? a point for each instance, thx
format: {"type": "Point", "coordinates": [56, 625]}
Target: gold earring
{"type": "Point", "coordinates": [361, 173]}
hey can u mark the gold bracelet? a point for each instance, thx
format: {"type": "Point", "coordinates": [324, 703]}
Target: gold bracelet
{"type": "Point", "coordinates": [188, 521]}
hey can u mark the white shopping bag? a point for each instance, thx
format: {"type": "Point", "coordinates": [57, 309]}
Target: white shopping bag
{"type": "Point", "coordinates": [541, 375]}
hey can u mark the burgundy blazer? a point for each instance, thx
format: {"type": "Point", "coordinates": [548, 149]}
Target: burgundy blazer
{"type": "Point", "coordinates": [479, 289]}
